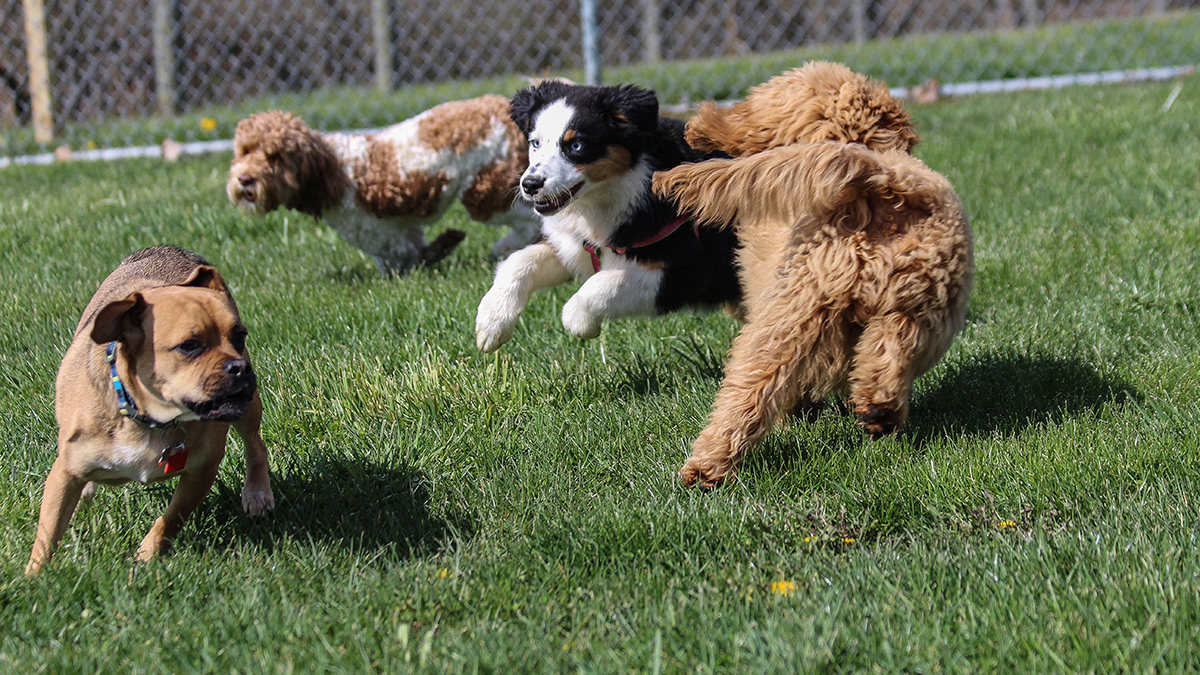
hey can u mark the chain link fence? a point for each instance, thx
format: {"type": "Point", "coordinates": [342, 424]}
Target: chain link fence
{"type": "Point", "coordinates": [111, 73]}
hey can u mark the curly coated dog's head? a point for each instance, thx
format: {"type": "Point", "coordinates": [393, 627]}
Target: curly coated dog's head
{"type": "Point", "coordinates": [279, 161]}
{"type": "Point", "coordinates": [819, 101]}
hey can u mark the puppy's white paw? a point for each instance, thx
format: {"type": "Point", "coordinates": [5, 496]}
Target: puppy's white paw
{"type": "Point", "coordinates": [494, 322]}
{"type": "Point", "coordinates": [579, 321]}
{"type": "Point", "coordinates": [257, 502]}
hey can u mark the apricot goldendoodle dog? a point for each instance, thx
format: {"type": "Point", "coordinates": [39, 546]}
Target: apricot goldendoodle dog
{"type": "Point", "coordinates": [856, 258]}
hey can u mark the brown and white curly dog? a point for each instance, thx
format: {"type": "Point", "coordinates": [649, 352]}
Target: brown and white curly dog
{"type": "Point", "coordinates": [380, 191]}
{"type": "Point", "coordinates": [856, 262]}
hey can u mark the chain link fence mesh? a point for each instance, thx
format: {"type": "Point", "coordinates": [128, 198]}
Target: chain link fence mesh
{"type": "Point", "coordinates": [136, 72]}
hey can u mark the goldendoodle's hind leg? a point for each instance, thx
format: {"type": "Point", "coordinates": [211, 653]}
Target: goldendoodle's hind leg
{"type": "Point", "coordinates": [771, 367]}
{"type": "Point", "coordinates": [885, 365]}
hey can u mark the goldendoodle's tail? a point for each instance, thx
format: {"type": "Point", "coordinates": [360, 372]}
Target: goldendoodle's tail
{"type": "Point", "coordinates": [786, 183]}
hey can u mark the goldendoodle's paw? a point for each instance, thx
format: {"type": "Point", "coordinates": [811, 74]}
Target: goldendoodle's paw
{"type": "Point", "coordinates": [703, 474]}
{"type": "Point", "coordinates": [257, 501]}
{"type": "Point", "coordinates": [578, 321]}
{"type": "Point", "coordinates": [879, 420]}
{"type": "Point", "coordinates": [494, 322]}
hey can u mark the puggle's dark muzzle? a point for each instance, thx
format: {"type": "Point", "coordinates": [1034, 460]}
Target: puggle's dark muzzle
{"type": "Point", "coordinates": [233, 399]}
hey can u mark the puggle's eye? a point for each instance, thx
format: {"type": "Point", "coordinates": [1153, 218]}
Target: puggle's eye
{"type": "Point", "coordinates": [534, 143]}
{"type": "Point", "coordinates": [190, 347]}
{"type": "Point", "coordinates": [576, 146]}
{"type": "Point", "coordinates": [239, 340]}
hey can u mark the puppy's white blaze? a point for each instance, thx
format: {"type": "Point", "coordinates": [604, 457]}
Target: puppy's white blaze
{"type": "Point", "coordinates": [547, 160]}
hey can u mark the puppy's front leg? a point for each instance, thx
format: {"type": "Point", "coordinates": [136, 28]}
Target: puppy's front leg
{"type": "Point", "coordinates": [257, 498]}
{"type": "Point", "coordinates": [629, 291]}
{"type": "Point", "coordinates": [534, 267]}
{"type": "Point", "coordinates": [193, 487]}
{"type": "Point", "coordinates": [59, 499]}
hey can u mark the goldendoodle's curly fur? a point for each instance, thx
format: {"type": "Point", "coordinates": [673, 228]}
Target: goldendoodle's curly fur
{"type": "Point", "coordinates": [856, 258]}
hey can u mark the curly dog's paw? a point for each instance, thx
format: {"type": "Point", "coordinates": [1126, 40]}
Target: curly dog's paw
{"type": "Point", "coordinates": [704, 474]}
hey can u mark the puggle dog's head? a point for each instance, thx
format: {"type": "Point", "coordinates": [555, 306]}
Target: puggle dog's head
{"type": "Point", "coordinates": [186, 349]}
{"type": "Point", "coordinates": [279, 161]}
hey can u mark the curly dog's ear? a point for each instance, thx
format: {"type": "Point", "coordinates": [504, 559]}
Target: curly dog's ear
{"type": "Point", "coordinates": [710, 129]}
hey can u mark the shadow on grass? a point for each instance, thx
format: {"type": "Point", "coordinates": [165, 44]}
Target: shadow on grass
{"type": "Point", "coordinates": [349, 502]}
{"type": "Point", "coordinates": [992, 394]}
{"type": "Point", "coordinates": [1008, 393]}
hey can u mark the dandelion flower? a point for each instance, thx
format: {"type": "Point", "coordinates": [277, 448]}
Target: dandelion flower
{"type": "Point", "coordinates": [90, 145]}
{"type": "Point", "coordinates": [847, 540]}
{"type": "Point", "coordinates": [443, 573]}
{"type": "Point", "coordinates": [207, 124]}
{"type": "Point", "coordinates": [1005, 523]}
{"type": "Point", "coordinates": [782, 587]}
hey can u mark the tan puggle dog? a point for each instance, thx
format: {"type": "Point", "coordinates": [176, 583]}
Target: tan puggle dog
{"type": "Point", "coordinates": [147, 390]}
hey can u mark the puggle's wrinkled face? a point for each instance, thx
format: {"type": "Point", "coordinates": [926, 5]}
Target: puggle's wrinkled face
{"type": "Point", "coordinates": [186, 347]}
{"type": "Point", "coordinates": [267, 161]}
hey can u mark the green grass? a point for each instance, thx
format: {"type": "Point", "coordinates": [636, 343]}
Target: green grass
{"type": "Point", "coordinates": [443, 510]}
{"type": "Point", "coordinates": [1172, 39]}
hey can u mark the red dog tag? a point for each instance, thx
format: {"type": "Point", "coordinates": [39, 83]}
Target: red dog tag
{"type": "Point", "coordinates": [174, 459]}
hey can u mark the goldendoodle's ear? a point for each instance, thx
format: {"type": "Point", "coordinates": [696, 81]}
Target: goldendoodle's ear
{"type": "Point", "coordinates": [709, 129]}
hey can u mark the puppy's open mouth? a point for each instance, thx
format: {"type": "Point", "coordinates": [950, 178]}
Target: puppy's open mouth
{"type": "Point", "coordinates": [553, 204]}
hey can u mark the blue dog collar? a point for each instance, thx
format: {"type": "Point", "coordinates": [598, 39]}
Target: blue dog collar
{"type": "Point", "coordinates": [125, 404]}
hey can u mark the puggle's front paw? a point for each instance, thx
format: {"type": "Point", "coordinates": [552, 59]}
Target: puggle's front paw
{"type": "Point", "coordinates": [494, 323]}
{"type": "Point", "coordinates": [257, 502]}
{"type": "Point", "coordinates": [578, 321]}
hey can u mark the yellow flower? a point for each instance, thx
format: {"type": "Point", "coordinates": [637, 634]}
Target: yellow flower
{"type": "Point", "coordinates": [443, 573]}
{"type": "Point", "coordinates": [207, 124]}
{"type": "Point", "coordinates": [847, 540]}
{"type": "Point", "coordinates": [807, 539]}
{"type": "Point", "coordinates": [1005, 523]}
{"type": "Point", "coordinates": [90, 145]}
{"type": "Point", "coordinates": [782, 587]}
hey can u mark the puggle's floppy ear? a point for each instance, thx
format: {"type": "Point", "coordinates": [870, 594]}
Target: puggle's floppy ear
{"type": "Point", "coordinates": [117, 318]}
{"type": "Point", "coordinates": [206, 276]}
{"type": "Point", "coordinates": [632, 107]}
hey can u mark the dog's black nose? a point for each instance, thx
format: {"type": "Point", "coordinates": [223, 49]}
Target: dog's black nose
{"type": "Point", "coordinates": [237, 368]}
{"type": "Point", "coordinates": [531, 184]}
{"type": "Point", "coordinates": [245, 180]}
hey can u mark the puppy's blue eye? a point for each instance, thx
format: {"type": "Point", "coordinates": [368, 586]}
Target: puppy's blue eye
{"type": "Point", "coordinates": [533, 143]}
{"type": "Point", "coordinates": [576, 146]}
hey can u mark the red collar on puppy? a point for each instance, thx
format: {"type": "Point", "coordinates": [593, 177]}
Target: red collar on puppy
{"type": "Point", "coordinates": [667, 231]}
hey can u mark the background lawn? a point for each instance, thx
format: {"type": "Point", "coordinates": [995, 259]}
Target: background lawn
{"type": "Point", "coordinates": [442, 508]}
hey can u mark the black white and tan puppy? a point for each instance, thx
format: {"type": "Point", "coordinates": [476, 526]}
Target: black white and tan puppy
{"type": "Point", "coordinates": [155, 375]}
{"type": "Point", "coordinates": [592, 152]}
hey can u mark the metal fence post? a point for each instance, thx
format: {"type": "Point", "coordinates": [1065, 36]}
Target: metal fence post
{"type": "Point", "coordinates": [381, 34]}
{"type": "Point", "coordinates": [166, 34]}
{"type": "Point", "coordinates": [651, 33]}
{"type": "Point", "coordinates": [591, 42]}
{"type": "Point", "coordinates": [39, 71]}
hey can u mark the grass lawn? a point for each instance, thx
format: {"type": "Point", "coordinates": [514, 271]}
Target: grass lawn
{"type": "Point", "coordinates": [444, 510]}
